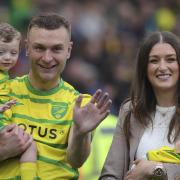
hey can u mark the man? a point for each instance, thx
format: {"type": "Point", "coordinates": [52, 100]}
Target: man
{"type": "Point", "coordinates": [58, 117]}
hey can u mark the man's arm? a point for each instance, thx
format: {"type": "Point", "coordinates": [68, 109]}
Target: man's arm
{"type": "Point", "coordinates": [86, 119]}
{"type": "Point", "coordinates": [13, 141]}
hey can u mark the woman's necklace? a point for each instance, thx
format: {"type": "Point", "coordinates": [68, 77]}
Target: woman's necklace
{"type": "Point", "coordinates": [164, 111]}
{"type": "Point", "coordinates": [164, 115]}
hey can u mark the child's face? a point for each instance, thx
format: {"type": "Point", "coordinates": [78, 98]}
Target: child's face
{"type": "Point", "coordinates": [9, 53]}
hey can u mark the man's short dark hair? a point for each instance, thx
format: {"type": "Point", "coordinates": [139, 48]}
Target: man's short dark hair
{"type": "Point", "coordinates": [49, 21]}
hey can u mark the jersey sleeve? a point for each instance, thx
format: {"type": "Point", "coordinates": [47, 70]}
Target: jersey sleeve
{"type": "Point", "coordinates": [5, 118]}
{"type": "Point", "coordinates": [28, 171]}
{"type": "Point", "coordinates": [4, 88]}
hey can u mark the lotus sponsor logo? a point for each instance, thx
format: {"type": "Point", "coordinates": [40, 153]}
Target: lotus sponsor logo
{"type": "Point", "coordinates": [42, 132]}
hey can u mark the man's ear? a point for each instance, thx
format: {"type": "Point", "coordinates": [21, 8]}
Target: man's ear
{"type": "Point", "coordinates": [26, 46]}
{"type": "Point", "coordinates": [69, 49]}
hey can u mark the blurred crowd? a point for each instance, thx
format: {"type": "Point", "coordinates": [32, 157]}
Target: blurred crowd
{"type": "Point", "coordinates": [106, 35]}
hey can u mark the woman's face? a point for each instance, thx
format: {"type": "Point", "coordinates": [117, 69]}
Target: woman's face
{"type": "Point", "coordinates": [163, 68]}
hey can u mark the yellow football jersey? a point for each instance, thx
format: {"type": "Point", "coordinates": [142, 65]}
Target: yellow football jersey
{"type": "Point", "coordinates": [4, 97]}
{"type": "Point", "coordinates": [164, 154]}
{"type": "Point", "coordinates": [47, 115]}
{"type": "Point", "coordinates": [4, 87]}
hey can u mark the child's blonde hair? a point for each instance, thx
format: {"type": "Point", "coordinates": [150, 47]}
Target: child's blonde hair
{"type": "Point", "coordinates": [8, 33]}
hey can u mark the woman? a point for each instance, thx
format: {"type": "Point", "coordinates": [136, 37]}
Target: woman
{"type": "Point", "coordinates": [151, 118]}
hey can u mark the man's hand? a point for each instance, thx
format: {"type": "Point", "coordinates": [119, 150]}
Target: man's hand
{"type": "Point", "coordinates": [87, 118]}
{"type": "Point", "coordinates": [13, 141]}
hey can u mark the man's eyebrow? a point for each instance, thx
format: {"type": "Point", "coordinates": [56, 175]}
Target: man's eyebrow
{"type": "Point", "coordinates": [58, 45]}
{"type": "Point", "coordinates": [38, 44]}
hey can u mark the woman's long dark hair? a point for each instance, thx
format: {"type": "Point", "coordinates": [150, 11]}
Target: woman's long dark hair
{"type": "Point", "coordinates": [142, 96]}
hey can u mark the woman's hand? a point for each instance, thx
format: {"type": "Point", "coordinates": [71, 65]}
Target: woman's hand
{"type": "Point", "coordinates": [141, 171]}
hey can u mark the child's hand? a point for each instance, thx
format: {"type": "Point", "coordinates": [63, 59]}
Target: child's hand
{"type": "Point", "coordinates": [177, 146]}
{"type": "Point", "coordinates": [7, 105]}
{"type": "Point", "coordinates": [30, 154]}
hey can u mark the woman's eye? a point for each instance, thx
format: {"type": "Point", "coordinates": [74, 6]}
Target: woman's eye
{"type": "Point", "coordinates": [171, 60]}
{"type": "Point", "coordinates": [153, 61]}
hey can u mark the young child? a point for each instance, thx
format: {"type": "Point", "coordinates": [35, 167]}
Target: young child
{"type": "Point", "coordinates": [10, 40]}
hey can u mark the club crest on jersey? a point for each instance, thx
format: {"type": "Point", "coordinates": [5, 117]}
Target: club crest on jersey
{"type": "Point", "coordinates": [59, 109]}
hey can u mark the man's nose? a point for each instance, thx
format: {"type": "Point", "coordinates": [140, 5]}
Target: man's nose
{"type": "Point", "coordinates": [47, 56]}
